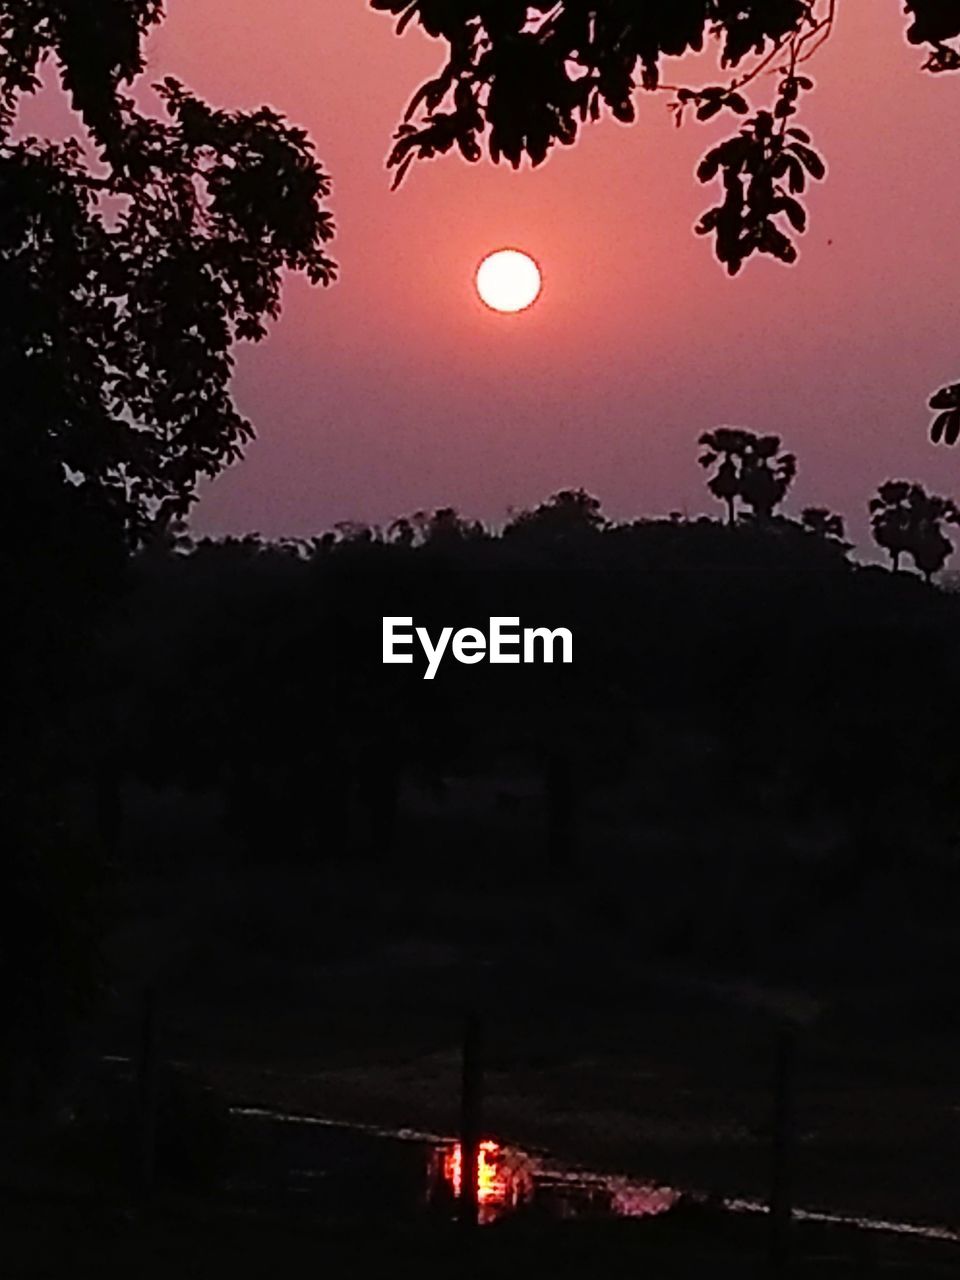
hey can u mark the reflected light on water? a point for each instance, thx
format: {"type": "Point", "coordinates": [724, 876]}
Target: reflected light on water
{"type": "Point", "coordinates": [503, 1180]}
{"type": "Point", "coordinates": [509, 1178]}
{"type": "Point", "coordinates": [491, 1178]}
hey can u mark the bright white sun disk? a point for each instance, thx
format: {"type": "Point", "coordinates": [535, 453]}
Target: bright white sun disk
{"type": "Point", "coordinates": [508, 280]}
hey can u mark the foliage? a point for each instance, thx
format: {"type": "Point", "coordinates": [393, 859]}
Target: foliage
{"type": "Point", "coordinates": [568, 514]}
{"type": "Point", "coordinates": [750, 468]}
{"type": "Point", "coordinates": [125, 284]}
{"type": "Point", "coordinates": [762, 170]}
{"type": "Point", "coordinates": [443, 528]}
{"type": "Point", "coordinates": [132, 259]}
{"type": "Point", "coordinates": [905, 518]}
{"type": "Point", "coordinates": [823, 523]}
{"type": "Point", "coordinates": [522, 77]}
{"type": "Point", "coordinates": [529, 75]}
{"type": "Point", "coordinates": [696, 642]}
{"type": "Point", "coordinates": [946, 425]}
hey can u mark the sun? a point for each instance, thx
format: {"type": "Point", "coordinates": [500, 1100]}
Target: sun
{"type": "Point", "coordinates": [509, 281]}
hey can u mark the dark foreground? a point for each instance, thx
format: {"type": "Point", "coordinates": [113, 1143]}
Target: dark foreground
{"type": "Point", "coordinates": [182, 1239]}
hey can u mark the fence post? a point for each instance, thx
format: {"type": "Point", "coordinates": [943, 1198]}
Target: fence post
{"type": "Point", "coordinates": [471, 1116]}
{"type": "Point", "coordinates": [781, 1188]}
{"type": "Point", "coordinates": [148, 1083]}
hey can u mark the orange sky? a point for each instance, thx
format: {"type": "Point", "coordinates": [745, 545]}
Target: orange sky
{"type": "Point", "coordinates": [397, 390]}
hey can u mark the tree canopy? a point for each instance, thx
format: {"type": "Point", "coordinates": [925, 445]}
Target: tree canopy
{"type": "Point", "coordinates": [524, 76]}
{"type": "Point", "coordinates": [127, 277]}
{"type": "Point", "coordinates": [905, 518]}
{"type": "Point", "coordinates": [132, 259]}
{"type": "Point", "coordinates": [750, 468]}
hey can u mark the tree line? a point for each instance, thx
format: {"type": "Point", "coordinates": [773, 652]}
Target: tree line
{"type": "Point", "coordinates": [754, 472]}
{"type": "Point", "coordinates": [749, 473]}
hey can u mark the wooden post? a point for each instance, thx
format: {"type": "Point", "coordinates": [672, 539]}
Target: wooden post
{"type": "Point", "coordinates": [781, 1189]}
{"type": "Point", "coordinates": [471, 1118]}
{"type": "Point", "coordinates": [148, 1090]}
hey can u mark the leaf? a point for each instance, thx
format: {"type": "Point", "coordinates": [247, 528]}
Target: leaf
{"type": "Point", "coordinates": [709, 166]}
{"type": "Point", "coordinates": [407, 18]}
{"type": "Point", "coordinates": [946, 427]}
{"type": "Point", "coordinates": [414, 103]}
{"type": "Point", "coordinates": [810, 160]}
{"type": "Point", "coordinates": [946, 398]}
{"type": "Point", "coordinates": [796, 178]}
{"type": "Point", "coordinates": [402, 169]}
{"type": "Point", "coordinates": [796, 214]}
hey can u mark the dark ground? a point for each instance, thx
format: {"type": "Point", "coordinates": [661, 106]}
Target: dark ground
{"type": "Point", "coordinates": [54, 1240]}
{"type": "Point", "coordinates": [341, 993]}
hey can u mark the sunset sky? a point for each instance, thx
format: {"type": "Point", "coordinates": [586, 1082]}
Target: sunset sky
{"type": "Point", "coordinates": [397, 389]}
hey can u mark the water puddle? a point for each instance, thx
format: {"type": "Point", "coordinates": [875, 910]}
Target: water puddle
{"type": "Point", "coordinates": [510, 1179]}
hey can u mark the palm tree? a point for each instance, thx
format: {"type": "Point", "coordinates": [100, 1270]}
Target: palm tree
{"type": "Point", "coordinates": [767, 475]}
{"type": "Point", "coordinates": [725, 446]}
{"type": "Point", "coordinates": [749, 467]}
{"type": "Point", "coordinates": [891, 513]}
{"type": "Point", "coordinates": [905, 518]}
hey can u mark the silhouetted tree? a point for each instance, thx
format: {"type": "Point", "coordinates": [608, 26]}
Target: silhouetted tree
{"type": "Point", "coordinates": [124, 285]}
{"type": "Point", "coordinates": [766, 476]}
{"type": "Point", "coordinates": [402, 531]}
{"type": "Point", "coordinates": [907, 519]}
{"type": "Point", "coordinates": [528, 75]}
{"type": "Point", "coordinates": [523, 77]}
{"type": "Point", "coordinates": [823, 523]}
{"type": "Point", "coordinates": [447, 527]}
{"type": "Point", "coordinates": [132, 260]}
{"type": "Point", "coordinates": [749, 467]}
{"type": "Point", "coordinates": [932, 550]}
{"type": "Point", "coordinates": [725, 446]}
{"type": "Point", "coordinates": [569, 513]}
{"type": "Point", "coordinates": [891, 518]}
{"type": "Point", "coordinates": [356, 533]}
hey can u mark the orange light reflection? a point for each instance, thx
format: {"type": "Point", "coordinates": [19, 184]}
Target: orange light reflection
{"type": "Point", "coordinates": [492, 1178]}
